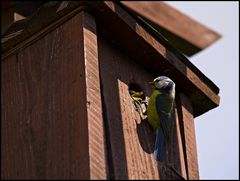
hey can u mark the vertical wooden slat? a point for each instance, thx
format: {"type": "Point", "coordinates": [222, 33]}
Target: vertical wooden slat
{"type": "Point", "coordinates": [180, 160]}
{"type": "Point", "coordinates": [51, 107]}
{"type": "Point", "coordinates": [188, 133]}
{"type": "Point", "coordinates": [130, 142]}
{"type": "Point", "coordinates": [131, 139]}
{"type": "Point", "coordinates": [94, 104]}
{"type": "Point", "coordinates": [175, 157]}
{"type": "Point", "coordinates": [45, 122]}
{"type": "Point", "coordinates": [140, 163]}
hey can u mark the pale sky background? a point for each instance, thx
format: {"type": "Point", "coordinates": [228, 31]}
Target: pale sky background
{"type": "Point", "coordinates": [217, 131]}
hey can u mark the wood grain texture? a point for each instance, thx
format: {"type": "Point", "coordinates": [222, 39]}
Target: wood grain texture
{"type": "Point", "coordinates": [45, 107]}
{"type": "Point", "coordinates": [188, 129]}
{"type": "Point", "coordinates": [94, 103]}
{"type": "Point", "coordinates": [131, 140]}
{"type": "Point", "coordinates": [176, 156]}
{"type": "Point", "coordinates": [20, 37]}
{"type": "Point", "coordinates": [43, 16]}
{"type": "Point", "coordinates": [182, 27]}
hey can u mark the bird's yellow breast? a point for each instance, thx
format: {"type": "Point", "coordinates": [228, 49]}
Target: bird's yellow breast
{"type": "Point", "coordinates": [152, 114]}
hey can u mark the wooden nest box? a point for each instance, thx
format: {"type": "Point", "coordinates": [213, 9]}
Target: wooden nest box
{"type": "Point", "coordinates": [66, 108]}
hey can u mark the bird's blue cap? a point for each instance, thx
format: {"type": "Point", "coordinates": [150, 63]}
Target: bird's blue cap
{"type": "Point", "coordinates": [163, 77]}
{"type": "Point", "coordinates": [160, 78]}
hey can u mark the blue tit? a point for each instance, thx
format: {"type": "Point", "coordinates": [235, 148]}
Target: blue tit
{"type": "Point", "coordinates": [159, 112]}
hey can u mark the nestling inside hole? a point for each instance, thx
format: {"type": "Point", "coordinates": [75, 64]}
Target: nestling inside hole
{"type": "Point", "coordinates": [139, 99]}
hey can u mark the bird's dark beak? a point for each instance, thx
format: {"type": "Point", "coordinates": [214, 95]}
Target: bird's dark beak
{"type": "Point", "coordinates": [151, 83]}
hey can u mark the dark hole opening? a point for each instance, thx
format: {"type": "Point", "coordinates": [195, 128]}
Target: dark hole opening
{"type": "Point", "coordinates": [132, 87]}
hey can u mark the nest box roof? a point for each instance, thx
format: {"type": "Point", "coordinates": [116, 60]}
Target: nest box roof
{"type": "Point", "coordinates": [185, 33]}
{"type": "Point", "coordinates": [142, 42]}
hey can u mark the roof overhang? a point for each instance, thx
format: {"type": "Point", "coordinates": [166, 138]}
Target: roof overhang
{"type": "Point", "coordinates": [185, 33]}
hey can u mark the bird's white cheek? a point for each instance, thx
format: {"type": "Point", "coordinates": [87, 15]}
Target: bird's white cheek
{"type": "Point", "coordinates": [160, 85]}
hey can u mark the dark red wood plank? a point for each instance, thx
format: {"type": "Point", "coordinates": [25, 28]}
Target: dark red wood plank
{"type": "Point", "coordinates": [185, 111]}
{"type": "Point", "coordinates": [48, 124]}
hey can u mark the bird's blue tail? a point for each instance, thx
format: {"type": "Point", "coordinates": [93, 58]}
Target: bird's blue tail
{"type": "Point", "coordinates": [158, 148]}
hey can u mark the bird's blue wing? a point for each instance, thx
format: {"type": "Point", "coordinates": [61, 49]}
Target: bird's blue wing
{"type": "Point", "coordinates": [164, 108]}
{"type": "Point", "coordinates": [158, 147]}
